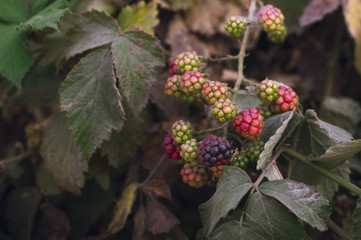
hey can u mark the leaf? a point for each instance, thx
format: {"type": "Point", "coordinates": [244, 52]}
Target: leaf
{"type": "Point", "coordinates": [246, 101]}
{"type": "Point", "coordinates": [292, 10]}
{"type": "Point", "coordinates": [13, 11]}
{"type": "Point", "coordinates": [142, 17]}
{"type": "Point", "coordinates": [99, 170]}
{"type": "Point", "coordinates": [266, 219]}
{"type": "Point", "coordinates": [123, 208]}
{"type": "Point", "coordinates": [232, 186]}
{"type": "Point", "coordinates": [136, 56]}
{"type": "Point", "coordinates": [92, 101]}
{"type": "Point", "coordinates": [122, 146]}
{"type": "Point", "coordinates": [80, 33]}
{"type": "Point", "coordinates": [307, 204]}
{"type": "Point", "coordinates": [48, 17]}
{"type": "Point", "coordinates": [46, 182]}
{"type": "Point", "coordinates": [62, 157]}
{"type": "Point", "coordinates": [228, 230]}
{"type": "Point", "coordinates": [20, 211]}
{"type": "Point", "coordinates": [12, 48]}
{"type": "Point", "coordinates": [351, 11]}
{"type": "Point", "coordinates": [272, 124]}
{"type": "Point", "coordinates": [317, 9]}
{"type": "Point", "coordinates": [267, 153]}
{"type": "Point", "coordinates": [38, 5]}
{"type": "Point", "coordinates": [357, 220]}
{"type": "Point", "coordinates": [158, 218]}
{"type": "Point", "coordinates": [338, 154]}
{"type": "Point", "coordinates": [157, 188]}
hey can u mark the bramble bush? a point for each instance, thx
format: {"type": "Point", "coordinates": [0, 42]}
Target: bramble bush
{"type": "Point", "coordinates": [94, 159]}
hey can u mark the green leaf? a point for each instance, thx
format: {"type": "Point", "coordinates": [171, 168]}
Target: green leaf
{"type": "Point", "coordinates": [245, 101]}
{"type": "Point", "coordinates": [80, 33]}
{"type": "Point", "coordinates": [20, 211]}
{"type": "Point", "coordinates": [338, 154]}
{"type": "Point", "coordinates": [99, 170]}
{"type": "Point", "coordinates": [48, 17]}
{"type": "Point", "coordinates": [228, 230]}
{"type": "Point", "coordinates": [38, 5]}
{"type": "Point", "coordinates": [136, 56]}
{"type": "Point", "coordinates": [123, 145]}
{"type": "Point", "coordinates": [142, 17]}
{"type": "Point", "coordinates": [280, 123]}
{"type": "Point", "coordinates": [232, 186]}
{"type": "Point", "coordinates": [307, 204]}
{"type": "Point", "coordinates": [16, 57]}
{"type": "Point", "coordinates": [92, 101]}
{"type": "Point", "coordinates": [14, 11]}
{"type": "Point", "coordinates": [266, 219]}
{"type": "Point", "coordinates": [62, 157]}
{"type": "Point", "coordinates": [357, 220]}
{"type": "Point", "coordinates": [123, 208]}
{"type": "Point", "coordinates": [46, 182]}
{"type": "Point", "coordinates": [341, 107]}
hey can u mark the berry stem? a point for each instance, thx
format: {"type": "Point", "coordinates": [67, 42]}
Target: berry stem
{"type": "Point", "coordinates": [220, 59]}
{"type": "Point", "coordinates": [325, 172]}
{"type": "Point", "coordinates": [154, 170]}
{"type": "Point", "coordinates": [241, 56]}
{"type": "Point", "coordinates": [210, 130]}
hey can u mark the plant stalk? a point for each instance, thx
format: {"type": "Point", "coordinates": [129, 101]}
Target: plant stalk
{"type": "Point", "coordinates": [325, 172]}
{"type": "Point", "coordinates": [339, 231]}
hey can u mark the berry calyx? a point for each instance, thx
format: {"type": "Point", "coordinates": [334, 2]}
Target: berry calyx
{"type": "Point", "coordinates": [287, 100]}
{"type": "Point", "coordinates": [249, 123]}
{"type": "Point", "coordinates": [187, 61]}
{"type": "Point", "coordinates": [173, 69]}
{"type": "Point", "coordinates": [194, 174]}
{"type": "Point", "coordinates": [214, 151]}
{"type": "Point", "coordinates": [267, 91]}
{"type": "Point", "coordinates": [189, 150]}
{"type": "Point", "coordinates": [236, 26]}
{"type": "Point", "coordinates": [171, 148]}
{"type": "Point", "coordinates": [214, 90]}
{"type": "Point", "coordinates": [182, 131]}
{"type": "Point", "coordinates": [191, 83]}
{"type": "Point", "coordinates": [272, 22]}
{"type": "Point", "coordinates": [224, 109]}
{"type": "Point", "coordinates": [171, 88]}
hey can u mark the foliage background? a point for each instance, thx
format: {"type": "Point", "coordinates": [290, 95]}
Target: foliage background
{"type": "Point", "coordinates": [72, 193]}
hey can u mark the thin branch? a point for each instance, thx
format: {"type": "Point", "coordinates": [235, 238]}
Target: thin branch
{"type": "Point", "coordinates": [341, 232]}
{"type": "Point", "coordinates": [220, 59]}
{"type": "Point", "coordinates": [210, 130]}
{"type": "Point", "coordinates": [14, 159]}
{"type": "Point", "coordinates": [154, 170]}
{"type": "Point", "coordinates": [337, 179]}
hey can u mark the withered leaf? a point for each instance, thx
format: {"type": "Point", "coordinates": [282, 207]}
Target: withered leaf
{"type": "Point", "coordinates": [157, 188]}
{"type": "Point", "coordinates": [317, 9]}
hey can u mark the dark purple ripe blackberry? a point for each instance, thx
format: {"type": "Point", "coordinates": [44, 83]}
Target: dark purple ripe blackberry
{"type": "Point", "coordinates": [214, 151]}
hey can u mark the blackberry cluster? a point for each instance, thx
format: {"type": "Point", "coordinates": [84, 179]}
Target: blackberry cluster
{"type": "Point", "coordinates": [236, 26]}
{"type": "Point", "coordinates": [265, 110]}
{"type": "Point", "coordinates": [224, 109]}
{"type": "Point", "coordinates": [272, 22]}
{"type": "Point", "coordinates": [189, 150]}
{"type": "Point", "coordinates": [249, 123]}
{"type": "Point", "coordinates": [191, 83]}
{"type": "Point", "coordinates": [267, 91]}
{"type": "Point", "coordinates": [253, 150]}
{"type": "Point", "coordinates": [287, 100]}
{"type": "Point", "coordinates": [172, 86]}
{"type": "Point", "coordinates": [182, 131]}
{"type": "Point", "coordinates": [173, 69]}
{"type": "Point", "coordinates": [214, 90]}
{"type": "Point", "coordinates": [214, 151]}
{"type": "Point", "coordinates": [171, 148]}
{"type": "Point", "coordinates": [240, 161]}
{"type": "Point", "coordinates": [187, 61]}
{"type": "Point", "coordinates": [194, 174]}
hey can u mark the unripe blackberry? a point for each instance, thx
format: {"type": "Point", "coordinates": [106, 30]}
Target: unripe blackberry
{"type": "Point", "coordinates": [287, 100]}
{"type": "Point", "coordinates": [187, 61]}
{"type": "Point", "coordinates": [249, 123]}
{"type": "Point", "coordinates": [272, 22]}
{"type": "Point", "coordinates": [265, 110]}
{"type": "Point", "coordinates": [171, 88]}
{"type": "Point", "coordinates": [191, 83]}
{"type": "Point", "coordinates": [194, 174]}
{"type": "Point", "coordinates": [173, 69]}
{"type": "Point", "coordinates": [235, 26]}
{"type": "Point", "coordinates": [267, 91]}
{"type": "Point", "coordinates": [189, 150]}
{"type": "Point", "coordinates": [171, 148]}
{"type": "Point", "coordinates": [240, 161]}
{"type": "Point", "coordinates": [216, 171]}
{"type": "Point", "coordinates": [224, 109]}
{"type": "Point", "coordinates": [253, 150]}
{"type": "Point", "coordinates": [214, 90]}
{"type": "Point", "coordinates": [214, 151]}
{"type": "Point", "coordinates": [182, 131]}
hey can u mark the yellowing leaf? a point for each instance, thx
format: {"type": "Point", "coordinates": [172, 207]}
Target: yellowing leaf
{"type": "Point", "coordinates": [143, 17]}
{"type": "Point", "coordinates": [123, 208]}
{"type": "Point", "coordinates": [352, 10]}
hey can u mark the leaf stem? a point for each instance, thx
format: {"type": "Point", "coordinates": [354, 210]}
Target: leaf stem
{"type": "Point", "coordinates": [339, 231]}
{"type": "Point", "coordinates": [325, 172]}
{"type": "Point", "coordinates": [154, 170]}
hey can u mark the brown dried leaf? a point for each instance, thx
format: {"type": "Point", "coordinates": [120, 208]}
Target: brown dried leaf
{"type": "Point", "coordinates": [180, 39]}
{"type": "Point", "coordinates": [158, 218]}
{"type": "Point", "coordinates": [139, 223]}
{"type": "Point", "coordinates": [352, 10]}
{"type": "Point", "coordinates": [157, 188]}
{"type": "Point", "coordinates": [317, 9]}
{"type": "Point", "coordinates": [206, 16]}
